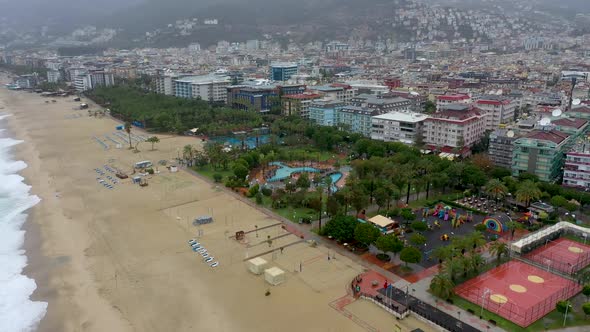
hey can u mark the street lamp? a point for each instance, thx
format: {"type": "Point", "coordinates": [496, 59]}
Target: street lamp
{"type": "Point", "coordinates": [483, 299]}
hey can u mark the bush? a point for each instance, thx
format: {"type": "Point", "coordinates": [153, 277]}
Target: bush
{"type": "Point", "coordinates": [150, 171]}
{"type": "Point", "coordinates": [266, 191]}
{"type": "Point", "coordinates": [259, 198]}
{"type": "Point", "coordinates": [217, 177]}
{"type": "Point", "coordinates": [253, 190]}
{"type": "Point", "coordinates": [481, 227]}
{"type": "Point", "coordinates": [419, 226]}
{"type": "Point", "coordinates": [383, 257]}
{"type": "Point", "coordinates": [394, 213]}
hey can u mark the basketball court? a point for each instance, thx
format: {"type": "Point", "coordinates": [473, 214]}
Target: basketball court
{"type": "Point", "coordinates": [563, 255]}
{"type": "Point", "coordinates": [518, 292]}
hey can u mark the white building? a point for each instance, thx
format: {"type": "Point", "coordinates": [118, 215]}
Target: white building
{"type": "Point", "coordinates": [53, 76]}
{"type": "Point", "coordinates": [402, 127]}
{"type": "Point", "coordinates": [212, 88]}
{"type": "Point", "coordinates": [93, 79]}
{"type": "Point", "coordinates": [500, 110]}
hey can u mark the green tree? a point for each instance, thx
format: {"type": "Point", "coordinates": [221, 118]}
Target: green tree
{"type": "Point", "coordinates": [240, 172]}
{"type": "Point", "coordinates": [586, 309]}
{"type": "Point", "coordinates": [481, 228]}
{"type": "Point", "coordinates": [408, 215]}
{"type": "Point", "coordinates": [452, 267]}
{"type": "Point", "coordinates": [389, 243]}
{"type": "Point", "coordinates": [443, 253]}
{"type": "Point", "coordinates": [153, 140]}
{"type": "Point", "coordinates": [586, 291]}
{"type": "Point", "coordinates": [498, 249]}
{"type": "Point", "coordinates": [417, 239]}
{"type": "Point", "coordinates": [442, 286]}
{"type": "Point", "coordinates": [429, 107]}
{"type": "Point", "coordinates": [496, 189]}
{"type": "Point", "coordinates": [410, 255]}
{"type": "Point", "coordinates": [259, 198]}
{"type": "Point", "coordinates": [340, 227]}
{"type": "Point", "coordinates": [359, 199]}
{"type": "Point", "coordinates": [527, 191]}
{"type": "Point", "coordinates": [366, 233]}
{"type": "Point", "coordinates": [303, 181]}
{"type": "Point", "coordinates": [290, 187]}
{"type": "Point", "coordinates": [381, 197]}
{"type": "Point", "coordinates": [563, 305]}
{"type": "Point", "coordinates": [558, 201]}
{"type": "Point", "coordinates": [476, 240]}
{"type": "Point", "coordinates": [332, 206]}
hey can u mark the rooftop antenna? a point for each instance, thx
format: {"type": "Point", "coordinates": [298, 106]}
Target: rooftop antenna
{"type": "Point", "coordinates": [510, 133]}
{"type": "Point", "coordinates": [557, 112]}
{"type": "Point", "coordinates": [576, 102]}
{"type": "Point", "coordinates": [545, 122]}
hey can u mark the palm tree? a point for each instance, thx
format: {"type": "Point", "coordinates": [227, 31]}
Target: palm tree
{"type": "Point", "coordinates": [443, 253]}
{"type": "Point", "coordinates": [498, 248]}
{"type": "Point", "coordinates": [496, 189]}
{"type": "Point", "coordinates": [128, 130]}
{"type": "Point", "coordinates": [452, 267]}
{"type": "Point", "coordinates": [442, 286]}
{"type": "Point", "coordinates": [513, 226]}
{"type": "Point", "coordinates": [527, 192]}
{"type": "Point", "coordinates": [477, 260]}
{"type": "Point", "coordinates": [466, 264]}
{"type": "Point", "coordinates": [475, 240]}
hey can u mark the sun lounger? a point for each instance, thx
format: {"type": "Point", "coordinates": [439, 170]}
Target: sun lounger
{"type": "Point", "coordinates": [209, 259]}
{"type": "Point", "coordinates": [215, 264]}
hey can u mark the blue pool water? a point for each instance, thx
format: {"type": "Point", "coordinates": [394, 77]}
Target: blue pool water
{"type": "Point", "coordinates": [249, 142]}
{"type": "Point", "coordinates": [285, 171]}
{"type": "Point", "coordinates": [335, 178]}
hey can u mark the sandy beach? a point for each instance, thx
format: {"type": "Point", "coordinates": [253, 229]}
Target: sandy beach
{"type": "Point", "coordinates": [118, 260]}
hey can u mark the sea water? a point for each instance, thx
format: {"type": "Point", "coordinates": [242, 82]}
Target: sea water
{"type": "Point", "coordinates": [17, 311]}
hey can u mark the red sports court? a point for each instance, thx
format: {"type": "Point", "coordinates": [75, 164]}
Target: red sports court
{"type": "Point", "coordinates": [518, 292]}
{"type": "Point", "coordinates": [563, 255]}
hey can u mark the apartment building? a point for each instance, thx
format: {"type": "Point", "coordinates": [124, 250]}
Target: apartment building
{"type": "Point", "coordinates": [298, 104]}
{"type": "Point", "coordinates": [283, 71]}
{"type": "Point", "coordinates": [93, 79]}
{"type": "Point", "coordinates": [454, 128]}
{"type": "Point", "coordinates": [337, 92]}
{"type": "Point", "coordinates": [404, 127]}
{"type": "Point", "coordinates": [500, 110]}
{"type": "Point", "coordinates": [501, 147]}
{"type": "Point", "coordinates": [446, 100]}
{"type": "Point", "coordinates": [211, 88]}
{"type": "Point", "coordinates": [325, 112]}
{"type": "Point", "coordinates": [541, 152]}
{"type": "Point", "coordinates": [381, 105]}
{"type": "Point", "coordinates": [355, 119]}
{"type": "Point", "coordinates": [580, 112]}
{"type": "Point", "coordinates": [576, 172]}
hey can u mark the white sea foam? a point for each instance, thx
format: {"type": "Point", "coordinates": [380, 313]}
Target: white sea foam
{"type": "Point", "coordinates": [17, 311]}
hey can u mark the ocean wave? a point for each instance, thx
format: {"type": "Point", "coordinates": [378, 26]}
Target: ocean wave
{"type": "Point", "coordinates": [18, 312]}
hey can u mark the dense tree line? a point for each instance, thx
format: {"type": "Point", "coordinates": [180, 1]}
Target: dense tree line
{"type": "Point", "coordinates": [171, 114]}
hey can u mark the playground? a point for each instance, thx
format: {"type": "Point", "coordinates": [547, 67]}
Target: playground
{"type": "Point", "coordinates": [444, 224]}
{"type": "Point", "coordinates": [562, 254]}
{"type": "Point", "coordinates": [519, 292]}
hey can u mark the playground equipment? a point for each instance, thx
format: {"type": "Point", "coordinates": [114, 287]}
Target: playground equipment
{"type": "Point", "coordinates": [496, 224]}
{"type": "Point", "coordinates": [445, 237]}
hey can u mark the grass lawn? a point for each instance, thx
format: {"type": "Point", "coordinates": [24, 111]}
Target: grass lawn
{"type": "Point", "coordinates": [293, 214]}
{"type": "Point", "coordinates": [208, 171]}
{"type": "Point", "coordinates": [554, 319]}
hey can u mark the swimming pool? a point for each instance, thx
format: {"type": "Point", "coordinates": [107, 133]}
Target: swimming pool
{"type": "Point", "coordinates": [335, 178]}
{"type": "Point", "coordinates": [284, 171]}
{"type": "Point", "coordinates": [249, 142]}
